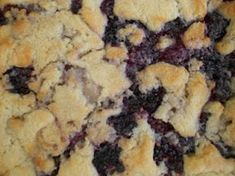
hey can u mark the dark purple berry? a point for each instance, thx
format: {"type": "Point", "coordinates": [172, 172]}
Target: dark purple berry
{"type": "Point", "coordinates": [160, 126]}
{"type": "Point", "coordinates": [174, 28]}
{"type": "Point", "coordinates": [187, 144]}
{"type": "Point", "coordinates": [142, 55]}
{"type": "Point", "coordinates": [113, 25]}
{"type": "Point", "coordinates": [3, 20]}
{"type": "Point", "coordinates": [107, 7]}
{"type": "Point", "coordinates": [231, 59]}
{"type": "Point", "coordinates": [106, 159]}
{"type": "Point", "coordinates": [216, 25]}
{"type": "Point", "coordinates": [217, 68]}
{"type": "Point", "coordinates": [76, 5]}
{"type": "Point", "coordinates": [170, 155]}
{"type": "Point", "coordinates": [176, 54]}
{"type": "Point", "coordinates": [19, 78]}
{"type": "Point", "coordinates": [132, 104]}
{"type": "Point", "coordinates": [170, 146]}
{"type": "Point", "coordinates": [123, 123]}
{"type": "Point", "coordinates": [202, 122]}
{"type": "Point", "coordinates": [151, 100]}
{"type": "Point", "coordinates": [111, 30]}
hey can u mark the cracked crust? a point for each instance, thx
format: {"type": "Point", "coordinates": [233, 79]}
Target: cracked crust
{"type": "Point", "coordinates": [80, 78]}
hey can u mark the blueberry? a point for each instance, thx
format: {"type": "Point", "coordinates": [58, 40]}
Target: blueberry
{"type": "Point", "coordinates": [3, 20]}
{"type": "Point", "coordinates": [217, 68]}
{"type": "Point", "coordinates": [176, 54]}
{"type": "Point", "coordinates": [76, 5]}
{"type": "Point", "coordinates": [216, 25]}
{"type": "Point", "coordinates": [19, 78]}
{"type": "Point", "coordinates": [113, 25]}
{"type": "Point", "coordinates": [106, 159]}
{"type": "Point", "coordinates": [202, 122]}
{"type": "Point", "coordinates": [160, 126]}
{"type": "Point", "coordinates": [107, 7]}
{"type": "Point", "coordinates": [174, 28]}
{"type": "Point", "coordinates": [111, 30]}
{"type": "Point", "coordinates": [144, 54]}
{"type": "Point", "coordinates": [151, 100]}
{"type": "Point", "coordinates": [123, 123]}
{"type": "Point", "coordinates": [170, 154]}
{"type": "Point", "coordinates": [170, 146]}
{"type": "Point", "coordinates": [231, 59]}
{"type": "Point", "coordinates": [187, 144]}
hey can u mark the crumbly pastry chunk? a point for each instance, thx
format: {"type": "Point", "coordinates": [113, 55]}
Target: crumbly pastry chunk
{"type": "Point", "coordinates": [137, 155]}
{"type": "Point", "coordinates": [227, 44]}
{"type": "Point", "coordinates": [116, 53]}
{"type": "Point", "coordinates": [203, 162]}
{"type": "Point", "coordinates": [227, 135]}
{"type": "Point", "coordinates": [117, 87]}
{"type": "Point", "coordinates": [192, 9]}
{"type": "Point", "coordinates": [79, 162]}
{"type": "Point", "coordinates": [134, 34]}
{"type": "Point", "coordinates": [172, 78]}
{"type": "Point", "coordinates": [153, 13]}
{"type": "Point", "coordinates": [164, 42]}
{"type": "Point", "coordinates": [92, 15]}
{"type": "Point", "coordinates": [195, 38]}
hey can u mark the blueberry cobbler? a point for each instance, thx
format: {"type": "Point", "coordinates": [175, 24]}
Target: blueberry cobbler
{"type": "Point", "coordinates": [117, 88]}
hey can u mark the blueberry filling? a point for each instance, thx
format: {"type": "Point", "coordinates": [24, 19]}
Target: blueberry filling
{"type": "Point", "coordinates": [19, 78]}
{"type": "Point", "coordinates": [3, 19]}
{"type": "Point", "coordinates": [160, 126]}
{"type": "Point", "coordinates": [113, 25]}
{"type": "Point", "coordinates": [176, 54]}
{"type": "Point", "coordinates": [142, 55]}
{"type": "Point", "coordinates": [217, 68]}
{"type": "Point", "coordinates": [202, 122]}
{"type": "Point", "coordinates": [123, 123]}
{"type": "Point", "coordinates": [149, 101]}
{"type": "Point", "coordinates": [107, 7]}
{"type": "Point", "coordinates": [174, 28]}
{"type": "Point", "coordinates": [147, 53]}
{"type": "Point", "coordinates": [231, 59]}
{"type": "Point", "coordinates": [170, 146]}
{"type": "Point", "coordinates": [76, 5]}
{"type": "Point", "coordinates": [106, 159]}
{"type": "Point", "coordinates": [111, 30]}
{"type": "Point", "coordinates": [170, 155]}
{"type": "Point", "coordinates": [216, 25]}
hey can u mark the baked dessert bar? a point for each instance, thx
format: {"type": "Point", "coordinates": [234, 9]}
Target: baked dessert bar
{"type": "Point", "coordinates": [117, 87]}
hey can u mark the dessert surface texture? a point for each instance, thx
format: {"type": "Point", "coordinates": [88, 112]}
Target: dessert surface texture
{"type": "Point", "coordinates": [117, 88]}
